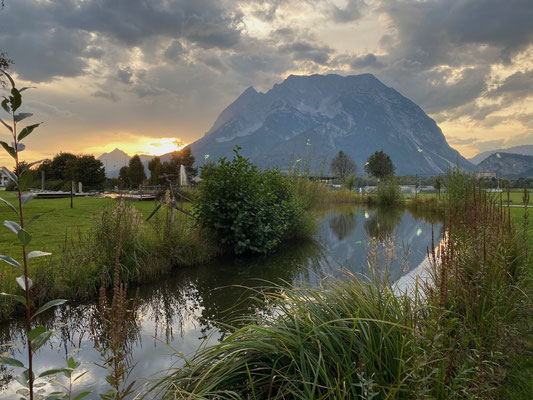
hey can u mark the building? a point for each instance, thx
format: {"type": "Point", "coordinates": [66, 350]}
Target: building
{"type": "Point", "coordinates": [485, 174]}
{"type": "Point", "coordinates": [4, 180]}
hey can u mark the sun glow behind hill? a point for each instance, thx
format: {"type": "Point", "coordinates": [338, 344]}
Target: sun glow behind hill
{"type": "Point", "coordinates": [142, 145]}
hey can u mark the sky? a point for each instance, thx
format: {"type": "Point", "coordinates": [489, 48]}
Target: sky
{"type": "Point", "coordinates": [147, 76]}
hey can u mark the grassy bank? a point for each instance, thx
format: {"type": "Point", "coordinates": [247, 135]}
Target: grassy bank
{"type": "Point", "coordinates": [82, 241]}
{"type": "Point", "coordinates": [354, 339]}
{"type": "Point", "coordinates": [518, 382]}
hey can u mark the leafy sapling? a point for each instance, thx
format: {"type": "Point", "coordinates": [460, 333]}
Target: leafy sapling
{"type": "Point", "coordinates": [36, 336]}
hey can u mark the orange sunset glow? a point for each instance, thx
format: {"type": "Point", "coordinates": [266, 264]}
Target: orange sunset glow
{"type": "Point", "coordinates": [142, 145]}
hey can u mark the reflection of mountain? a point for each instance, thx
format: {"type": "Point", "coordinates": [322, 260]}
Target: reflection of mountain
{"type": "Point", "coordinates": [412, 236]}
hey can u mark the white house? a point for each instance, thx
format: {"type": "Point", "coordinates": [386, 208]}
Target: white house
{"type": "Point", "coordinates": [4, 180]}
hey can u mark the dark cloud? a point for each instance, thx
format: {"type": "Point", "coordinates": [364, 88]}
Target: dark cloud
{"type": "Point", "coordinates": [459, 32]}
{"type": "Point", "coordinates": [367, 61]}
{"type": "Point", "coordinates": [207, 34]}
{"type": "Point", "coordinates": [125, 75]}
{"type": "Point", "coordinates": [351, 12]}
{"type": "Point", "coordinates": [41, 49]}
{"type": "Point", "coordinates": [61, 34]}
{"type": "Point", "coordinates": [106, 95]}
{"type": "Point", "coordinates": [518, 86]}
{"type": "Point", "coordinates": [307, 52]}
{"type": "Point", "coordinates": [174, 51]}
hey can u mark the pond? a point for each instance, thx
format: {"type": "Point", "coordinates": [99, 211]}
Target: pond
{"type": "Point", "coordinates": [186, 309]}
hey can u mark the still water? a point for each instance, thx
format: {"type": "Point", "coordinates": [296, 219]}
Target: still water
{"type": "Point", "coordinates": [186, 309]}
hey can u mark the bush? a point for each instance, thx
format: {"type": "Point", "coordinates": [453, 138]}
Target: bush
{"type": "Point", "coordinates": [249, 209]}
{"type": "Point", "coordinates": [389, 193]}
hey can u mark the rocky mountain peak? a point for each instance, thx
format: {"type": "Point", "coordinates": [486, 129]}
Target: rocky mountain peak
{"type": "Point", "coordinates": [319, 115]}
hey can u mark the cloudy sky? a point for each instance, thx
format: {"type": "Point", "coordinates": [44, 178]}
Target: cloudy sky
{"type": "Point", "coordinates": [141, 74]}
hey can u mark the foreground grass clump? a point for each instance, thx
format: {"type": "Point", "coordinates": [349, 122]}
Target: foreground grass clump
{"type": "Point", "coordinates": [339, 343]}
{"type": "Point", "coordinates": [353, 339]}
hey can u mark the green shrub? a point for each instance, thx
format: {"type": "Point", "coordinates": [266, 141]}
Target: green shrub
{"type": "Point", "coordinates": [389, 193]}
{"type": "Point", "coordinates": [249, 209]}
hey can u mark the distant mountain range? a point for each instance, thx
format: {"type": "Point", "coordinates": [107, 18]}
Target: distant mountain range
{"type": "Point", "coordinates": [524, 150]}
{"type": "Point", "coordinates": [506, 165]}
{"type": "Point", "coordinates": [317, 116]}
{"type": "Point", "coordinates": [117, 159]}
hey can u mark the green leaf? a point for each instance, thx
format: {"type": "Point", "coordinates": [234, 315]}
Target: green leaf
{"type": "Point", "coordinates": [11, 362]}
{"type": "Point", "coordinates": [19, 117]}
{"type": "Point", "coordinates": [5, 105]}
{"type": "Point", "coordinates": [20, 146]}
{"type": "Point", "coordinates": [27, 197]}
{"type": "Point", "coordinates": [36, 217]}
{"type": "Point", "coordinates": [23, 378]}
{"type": "Point", "coordinates": [26, 131]}
{"type": "Point", "coordinates": [7, 203]}
{"type": "Point", "coordinates": [36, 332]}
{"type": "Point", "coordinates": [55, 396]}
{"type": "Point", "coordinates": [54, 372]}
{"type": "Point", "coordinates": [11, 261]}
{"type": "Point", "coordinates": [25, 180]}
{"type": "Point", "coordinates": [18, 298]}
{"type": "Point", "coordinates": [9, 149]}
{"type": "Point", "coordinates": [37, 253]}
{"type": "Point", "coordinates": [24, 237]}
{"type": "Point", "coordinates": [50, 304]}
{"type": "Point", "coordinates": [21, 281]}
{"type": "Point", "coordinates": [8, 77]}
{"type": "Point", "coordinates": [37, 343]}
{"type": "Point", "coordinates": [16, 99]}
{"type": "Point", "coordinates": [6, 125]}
{"type": "Point", "coordinates": [35, 163]}
{"type": "Point", "coordinates": [82, 395]}
{"type": "Point", "coordinates": [10, 174]}
{"type": "Point", "coordinates": [12, 226]}
{"type": "Point", "coordinates": [71, 363]}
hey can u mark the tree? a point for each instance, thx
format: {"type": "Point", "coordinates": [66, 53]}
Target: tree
{"type": "Point", "coordinates": [136, 171]}
{"type": "Point", "coordinates": [342, 165]}
{"type": "Point", "coordinates": [5, 62]}
{"type": "Point", "coordinates": [62, 167]}
{"type": "Point", "coordinates": [124, 177]}
{"type": "Point", "coordinates": [89, 171]}
{"type": "Point", "coordinates": [183, 157]}
{"type": "Point", "coordinates": [379, 165]}
{"type": "Point", "coordinates": [154, 166]}
{"type": "Point", "coordinates": [438, 184]}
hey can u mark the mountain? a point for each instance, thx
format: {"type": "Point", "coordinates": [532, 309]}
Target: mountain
{"type": "Point", "coordinates": [506, 165]}
{"type": "Point", "coordinates": [113, 161]}
{"type": "Point", "coordinates": [314, 117]}
{"type": "Point", "coordinates": [117, 158]}
{"type": "Point", "coordinates": [526, 150]}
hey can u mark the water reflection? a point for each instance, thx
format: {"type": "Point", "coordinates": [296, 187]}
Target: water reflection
{"type": "Point", "coordinates": [343, 223]}
{"type": "Point", "coordinates": [196, 304]}
{"type": "Point", "coordinates": [382, 223]}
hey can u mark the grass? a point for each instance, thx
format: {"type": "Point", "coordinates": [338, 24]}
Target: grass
{"type": "Point", "coordinates": [59, 220]}
{"type": "Point", "coordinates": [518, 383]}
